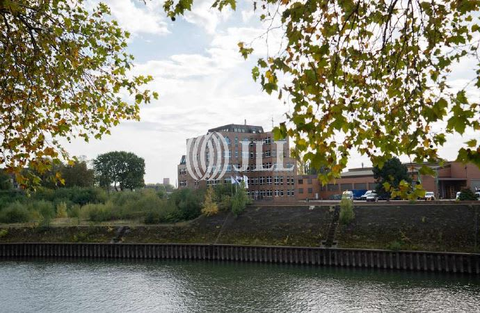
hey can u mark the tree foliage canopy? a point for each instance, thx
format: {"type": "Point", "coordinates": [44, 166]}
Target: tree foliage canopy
{"type": "Point", "coordinates": [121, 169]}
{"type": "Point", "coordinates": [392, 176]}
{"type": "Point", "coordinates": [370, 75]}
{"type": "Point", "coordinates": [64, 74]}
{"type": "Point", "coordinates": [74, 174]}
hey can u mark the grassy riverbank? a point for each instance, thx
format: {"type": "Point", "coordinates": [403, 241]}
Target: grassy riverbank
{"type": "Point", "coordinates": [296, 226]}
{"type": "Point", "coordinates": [429, 227]}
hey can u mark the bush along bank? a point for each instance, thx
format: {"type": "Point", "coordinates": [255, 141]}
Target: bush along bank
{"type": "Point", "coordinates": [94, 205]}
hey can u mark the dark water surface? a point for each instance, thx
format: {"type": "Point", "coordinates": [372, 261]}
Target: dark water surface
{"type": "Point", "coordinates": [197, 286]}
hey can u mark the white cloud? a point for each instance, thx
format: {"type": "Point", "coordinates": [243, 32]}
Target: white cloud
{"type": "Point", "coordinates": [143, 18]}
{"type": "Point", "coordinates": [203, 15]}
{"type": "Point", "coordinates": [178, 66]}
{"type": "Point", "coordinates": [199, 91]}
{"type": "Point", "coordinates": [247, 15]}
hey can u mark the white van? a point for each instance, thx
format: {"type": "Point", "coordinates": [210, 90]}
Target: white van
{"type": "Point", "coordinates": [347, 195]}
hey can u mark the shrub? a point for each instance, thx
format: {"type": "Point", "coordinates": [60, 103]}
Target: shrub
{"type": "Point", "coordinates": [14, 213]}
{"type": "Point", "coordinates": [136, 204]}
{"type": "Point", "coordinates": [467, 195]}
{"type": "Point", "coordinates": [3, 233]}
{"type": "Point", "coordinates": [153, 217]}
{"type": "Point", "coordinates": [43, 211]}
{"type": "Point", "coordinates": [394, 245]}
{"type": "Point", "coordinates": [9, 196]}
{"type": "Point", "coordinates": [45, 208]}
{"type": "Point", "coordinates": [166, 213]}
{"type": "Point", "coordinates": [86, 195]}
{"type": "Point", "coordinates": [77, 195]}
{"type": "Point", "coordinates": [223, 190]}
{"type": "Point", "coordinates": [122, 197]}
{"type": "Point", "coordinates": [74, 211]}
{"type": "Point", "coordinates": [98, 212]}
{"type": "Point", "coordinates": [188, 203]}
{"type": "Point", "coordinates": [162, 194]}
{"type": "Point", "coordinates": [62, 210]}
{"type": "Point", "coordinates": [225, 203]}
{"type": "Point", "coordinates": [210, 207]}
{"type": "Point", "coordinates": [346, 211]}
{"type": "Point", "coordinates": [239, 201]}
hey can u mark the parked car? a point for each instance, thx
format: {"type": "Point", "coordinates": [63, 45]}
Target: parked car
{"type": "Point", "coordinates": [347, 195]}
{"type": "Point", "coordinates": [478, 195]}
{"type": "Point", "coordinates": [364, 196]}
{"type": "Point", "coordinates": [371, 197]}
{"type": "Point", "coordinates": [335, 197]}
{"type": "Point", "coordinates": [429, 196]}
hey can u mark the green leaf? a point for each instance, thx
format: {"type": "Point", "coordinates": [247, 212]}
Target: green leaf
{"type": "Point", "coordinates": [255, 73]}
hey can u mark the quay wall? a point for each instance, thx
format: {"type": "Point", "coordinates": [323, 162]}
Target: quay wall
{"type": "Point", "coordinates": [357, 258]}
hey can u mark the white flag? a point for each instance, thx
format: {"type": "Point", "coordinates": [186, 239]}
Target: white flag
{"type": "Point", "coordinates": [245, 180]}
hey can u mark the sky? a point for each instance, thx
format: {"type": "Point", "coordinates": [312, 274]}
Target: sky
{"type": "Point", "coordinates": [202, 82]}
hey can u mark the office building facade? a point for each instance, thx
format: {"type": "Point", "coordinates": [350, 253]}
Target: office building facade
{"type": "Point", "coordinates": [248, 147]}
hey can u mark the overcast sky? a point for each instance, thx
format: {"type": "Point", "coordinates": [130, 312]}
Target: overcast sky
{"type": "Point", "coordinates": [202, 81]}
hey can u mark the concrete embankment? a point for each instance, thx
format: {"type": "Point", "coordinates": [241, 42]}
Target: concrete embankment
{"type": "Point", "coordinates": [430, 227]}
{"type": "Point", "coordinates": [425, 227]}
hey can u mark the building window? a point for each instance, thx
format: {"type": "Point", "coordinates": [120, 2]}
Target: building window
{"type": "Point", "coordinates": [372, 186]}
{"type": "Point", "coordinates": [345, 187]}
{"type": "Point", "coordinates": [269, 180]}
{"type": "Point", "coordinates": [310, 190]}
{"type": "Point", "coordinates": [278, 180]}
{"type": "Point", "coordinates": [300, 190]}
{"type": "Point", "coordinates": [309, 181]}
{"type": "Point", "coordinates": [300, 181]}
{"type": "Point", "coordinates": [332, 187]}
{"type": "Point", "coordinates": [360, 186]}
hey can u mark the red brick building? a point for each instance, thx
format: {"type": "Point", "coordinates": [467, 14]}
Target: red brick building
{"type": "Point", "coordinates": [269, 183]}
{"type": "Point", "coordinates": [448, 179]}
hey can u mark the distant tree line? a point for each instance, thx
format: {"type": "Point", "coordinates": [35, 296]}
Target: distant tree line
{"type": "Point", "coordinates": [119, 170]}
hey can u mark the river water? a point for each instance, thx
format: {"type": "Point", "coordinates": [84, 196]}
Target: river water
{"type": "Point", "coordinates": [197, 286]}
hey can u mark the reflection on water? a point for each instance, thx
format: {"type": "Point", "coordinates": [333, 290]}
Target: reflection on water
{"type": "Point", "coordinates": [195, 286]}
